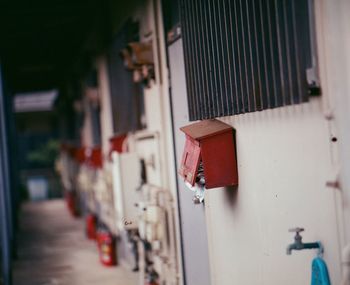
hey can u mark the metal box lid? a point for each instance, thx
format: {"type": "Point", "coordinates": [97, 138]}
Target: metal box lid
{"type": "Point", "coordinates": [204, 129]}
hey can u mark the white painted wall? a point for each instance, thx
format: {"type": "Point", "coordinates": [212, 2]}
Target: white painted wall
{"type": "Point", "coordinates": [158, 113]}
{"type": "Point", "coordinates": [193, 224]}
{"type": "Point", "coordinates": [158, 116]}
{"type": "Point", "coordinates": [105, 104]}
{"type": "Point", "coordinates": [86, 131]}
{"type": "Point", "coordinates": [284, 161]}
{"type": "Point", "coordinates": [334, 46]}
{"type": "Point", "coordinates": [285, 157]}
{"type": "Point", "coordinates": [334, 43]}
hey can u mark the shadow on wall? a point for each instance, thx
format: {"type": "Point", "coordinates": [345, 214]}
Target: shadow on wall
{"type": "Point", "coordinates": [231, 194]}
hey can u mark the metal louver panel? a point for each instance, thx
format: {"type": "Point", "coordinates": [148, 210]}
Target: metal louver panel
{"type": "Point", "coordinates": [244, 55]}
{"type": "Point", "coordinates": [126, 96]}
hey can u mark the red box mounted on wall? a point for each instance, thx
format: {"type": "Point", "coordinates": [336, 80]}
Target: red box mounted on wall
{"type": "Point", "coordinates": [209, 145]}
{"type": "Point", "coordinates": [116, 143]}
{"type": "Point", "coordinates": [80, 155]}
{"type": "Point", "coordinates": [94, 157]}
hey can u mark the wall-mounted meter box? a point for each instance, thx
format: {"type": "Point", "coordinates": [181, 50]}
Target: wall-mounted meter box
{"type": "Point", "coordinates": [126, 181]}
{"type": "Point", "coordinates": [209, 157]}
{"type": "Point", "coordinates": [137, 54]}
{"type": "Point", "coordinates": [138, 57]}
{"type": "Point", "coordinates": [141, 53]}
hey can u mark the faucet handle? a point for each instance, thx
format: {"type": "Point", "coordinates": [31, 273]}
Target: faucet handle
{"type": "Point", "coordinates": [296, 230]}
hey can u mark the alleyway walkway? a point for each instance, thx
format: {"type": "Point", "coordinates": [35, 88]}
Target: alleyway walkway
{"type": "Point", "coordinates": [53, 250]}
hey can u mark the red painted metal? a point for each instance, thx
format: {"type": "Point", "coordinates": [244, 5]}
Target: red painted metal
{"type": "Point", "coordinates": [91, 226]}
{"type": "Point", "coordinates": [116, 144]}
{"type": "Point", "coordinates": [107, 248]}
{"type": "Point", "coordinates": [190, 160]}
{"type": "Point", "coordinates": [71, 203]}
{"type": "Point", "coordinates": [210, 142]}
{"type": "Point", "coordinates": [80, 155]}
{"type": "Point", "coordinates": [96, 160]}
{"type": "Point", "coordinates": [90, 156]}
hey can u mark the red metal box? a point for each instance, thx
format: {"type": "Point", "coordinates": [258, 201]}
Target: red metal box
{"type": "Point", "coordinates": [209, 145]}
{"type": "Point", "coordinates": [80, 155]}
{"type": "Point", "coordinates": [116, 143]}
{"type": "Point", "coordinates": [94, 157]}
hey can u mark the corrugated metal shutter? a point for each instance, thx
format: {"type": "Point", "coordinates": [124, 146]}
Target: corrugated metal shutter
{"type": "Point", "coordinates": [126, 96]}
{"type": "Point", "coordinates": [244, 55]}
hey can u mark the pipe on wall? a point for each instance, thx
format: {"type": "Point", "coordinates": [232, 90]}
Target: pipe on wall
{"type": "Point", "coordinates": [346, 265]}
{"type": "Point", "coordinates": [5, 201]}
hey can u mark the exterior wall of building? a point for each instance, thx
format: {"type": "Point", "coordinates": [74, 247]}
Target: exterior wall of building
{"type": "Point", "coordinates": [334, 44]}
{"type": "Point", "coordinates": [153, 144]}
{"type": "Point", "coordinates": [159, 120]}
{"type": "Point", "coordinates": [287, 163]}
{"type": "Point", "coordinates": [294, 145]}
{"type": "Point", "coordinates": [285, 156]}
{"type": "Point", "coordinates": [105, 104]}
{"type": "Point", "coordinates": [193, 224]}
{"type": "Point", "coordinates": [86, 131]}
{"type": "Point", "coordinates": [284, 161]}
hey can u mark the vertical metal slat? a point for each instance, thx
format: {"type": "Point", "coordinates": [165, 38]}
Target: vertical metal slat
{"type": "Point", "coordinates": [244, 55]}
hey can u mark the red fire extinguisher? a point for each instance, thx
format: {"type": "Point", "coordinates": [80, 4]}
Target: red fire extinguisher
{"type": "Point", "coordinates": [107, 248]}
{"type": "Point", "coordinates": [69, 200]}
{"type": "Point", "coordinates": [91, 222]}
{"type": "Point", "coordinates": [71, 203]}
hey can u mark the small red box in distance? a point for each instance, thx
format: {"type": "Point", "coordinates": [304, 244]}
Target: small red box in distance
{"type": "Point", "coordinates": [116, 144]}
{"type": "Point", "coordinates": [212, 143]}
{"type": "Point", "coordinates": [80, 155]}
{"type": "Point", "coordinates": [96, 160]}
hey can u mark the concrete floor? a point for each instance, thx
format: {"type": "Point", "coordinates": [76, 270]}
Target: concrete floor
{"type": "Point", "coordinates": [53, 250]}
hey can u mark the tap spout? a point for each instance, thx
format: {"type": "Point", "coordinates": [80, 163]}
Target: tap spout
{"type": "Point", "coordinates": [300, 246]}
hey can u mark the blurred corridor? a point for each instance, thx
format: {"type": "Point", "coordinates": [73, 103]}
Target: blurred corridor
{"type": "Point", "coordinates": [52, 250]}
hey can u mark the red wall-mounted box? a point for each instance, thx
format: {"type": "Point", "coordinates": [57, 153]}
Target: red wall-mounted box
{"type": "Point", "coordinates": [96, 160]}
{"type": "Point", "coordinates": [211, 144]}
{"type": "Point", "coordinates": [91, 156]}
{"type": "Point", "coordinates": [80, 155]}
{"type": "Point", "coordinates": [116, 143]}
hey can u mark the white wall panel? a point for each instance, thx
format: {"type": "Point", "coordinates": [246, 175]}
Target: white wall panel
{"type": "Point", "coordinates": [193, 225]}
{"type": "Point", "coordinates": [283, 164]}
